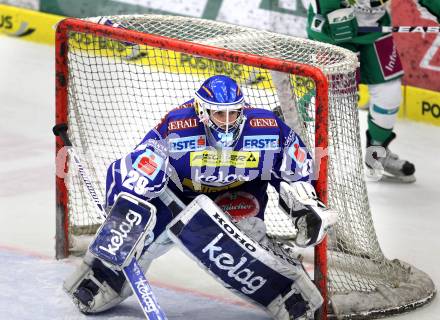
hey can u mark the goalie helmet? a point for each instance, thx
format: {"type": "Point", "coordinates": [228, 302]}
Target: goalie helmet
{"type": "Point", "coordinates": [219, 105]}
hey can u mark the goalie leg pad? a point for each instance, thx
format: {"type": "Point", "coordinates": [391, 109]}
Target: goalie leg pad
{"type": "Point", "coordinates": [94, 287]}
{"type": "Point", "coordinates": [98, 285]}
{"type": "Point", "coordinates": [278, 284]}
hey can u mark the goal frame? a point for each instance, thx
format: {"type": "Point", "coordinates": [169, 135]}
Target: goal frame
{"type": "Point", "coordinates": [206, 51]}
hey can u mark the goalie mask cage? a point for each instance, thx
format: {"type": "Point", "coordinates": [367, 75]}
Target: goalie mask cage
{"type": "Point", "coordinates": [114, 84]}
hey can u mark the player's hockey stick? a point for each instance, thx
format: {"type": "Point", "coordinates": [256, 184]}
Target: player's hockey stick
{"type": "Point", "coordinates": [61, 131]}
{"type": "Point", "coordinates": [132, 272]}
{"type": "Point", "coordinates": [400, 29]}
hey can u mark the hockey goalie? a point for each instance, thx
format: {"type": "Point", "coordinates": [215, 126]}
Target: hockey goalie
{"type": "Point", "coordinates": [203, 172]}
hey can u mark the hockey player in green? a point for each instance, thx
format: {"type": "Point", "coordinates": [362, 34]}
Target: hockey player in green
{"type": "Point", "coordinates": [336, 22]}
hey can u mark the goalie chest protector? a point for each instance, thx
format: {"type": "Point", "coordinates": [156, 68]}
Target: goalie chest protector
{"type": "Point", "coordinates": [266, 147]}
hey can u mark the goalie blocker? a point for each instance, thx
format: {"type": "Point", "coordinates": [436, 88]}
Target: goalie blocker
{"type": "Point", "coordinates": [122, 236]}
{"type": "Point", "coordinates": [280, 285]}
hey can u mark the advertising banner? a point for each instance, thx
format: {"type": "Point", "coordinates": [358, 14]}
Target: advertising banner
{"type": "Point", "coordinates": [420, 55]}
{"type": "Point", "coordinates": [420, 52]}
{"type": "Point", "coordinates": [28, 24]}
{"type": "Point", "coordinates": [281, 16]}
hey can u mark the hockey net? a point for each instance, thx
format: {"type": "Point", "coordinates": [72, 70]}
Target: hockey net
{"type": "Point", "coordinates": [114, 84]}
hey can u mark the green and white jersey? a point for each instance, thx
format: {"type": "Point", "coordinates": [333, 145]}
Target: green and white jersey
{"type": "Point", "coordinates": [367, 13]}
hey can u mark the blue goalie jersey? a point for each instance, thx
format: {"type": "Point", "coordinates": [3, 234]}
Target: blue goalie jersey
{"type": "Point", "coordinates": [177, 154]}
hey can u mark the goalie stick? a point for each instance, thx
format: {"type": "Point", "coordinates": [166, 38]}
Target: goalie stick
{"type": "Point", "coordinates": [132, 272]}
{"type": "Point", "coordinates": [400, 29]}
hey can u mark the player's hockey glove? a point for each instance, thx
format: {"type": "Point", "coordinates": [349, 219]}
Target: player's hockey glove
{"type": "Point", "coordinates": [312, 218]}
{"type": "Point", "coordinates": [342, 24]}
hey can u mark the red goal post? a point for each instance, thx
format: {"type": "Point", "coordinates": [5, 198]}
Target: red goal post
{"type": "Point", "coordinates": [102, 72]}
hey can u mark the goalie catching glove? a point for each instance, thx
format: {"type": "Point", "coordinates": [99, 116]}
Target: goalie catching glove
{"type": "Point", "coordinates": [312, 218]}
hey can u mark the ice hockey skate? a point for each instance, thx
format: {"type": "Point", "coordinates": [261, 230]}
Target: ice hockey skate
{"type": "Point", "coordinates": [384, 165]}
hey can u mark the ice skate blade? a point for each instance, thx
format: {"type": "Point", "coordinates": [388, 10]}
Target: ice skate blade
{"type": "Point", "coordinates": [399, 179]}
{"type": "Point", "coordinates": [372, 175]}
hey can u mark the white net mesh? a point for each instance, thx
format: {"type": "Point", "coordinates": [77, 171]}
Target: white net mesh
{"type": "Point", "coordinates": [118, 91]}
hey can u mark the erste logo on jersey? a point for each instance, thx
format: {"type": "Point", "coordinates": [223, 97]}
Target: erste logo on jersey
{"type": "Point", "coordinates": [148, 164]}
{"type": "Point", "coordinates": [193, 143]}
{"type": "Point", "coordinates": [182, 124]}
{"type": "Point", "coordinates": [264, 142]}
{"type": "Point", "coordinates": [263, 123]}
{"type": "Point", "coordinates": [212, 158]}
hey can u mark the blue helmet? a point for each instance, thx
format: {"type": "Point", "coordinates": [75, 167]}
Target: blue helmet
{"type": "Point", "coordinates": [219, 104]}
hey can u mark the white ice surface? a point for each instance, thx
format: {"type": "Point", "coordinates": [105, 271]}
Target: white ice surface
{"type": "Point", "coordinates": [407, 217]}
